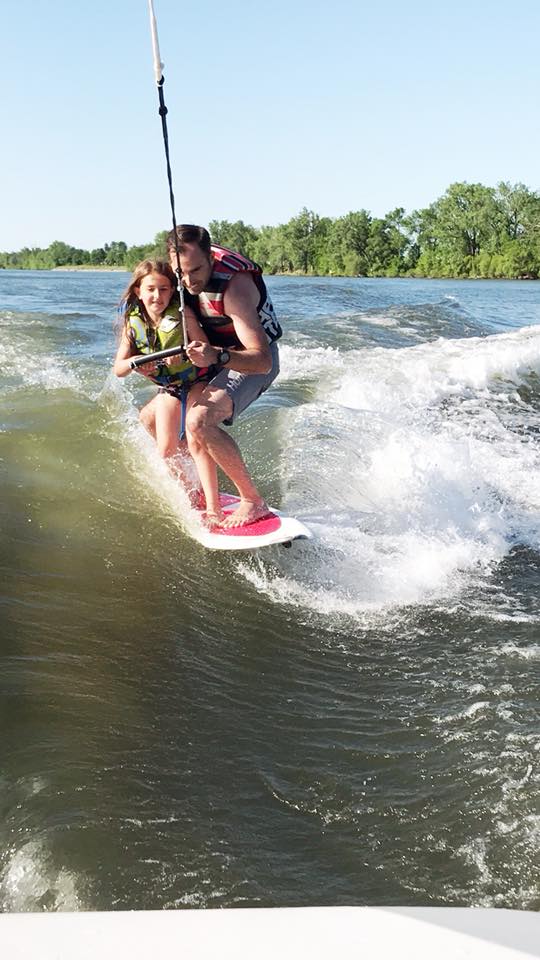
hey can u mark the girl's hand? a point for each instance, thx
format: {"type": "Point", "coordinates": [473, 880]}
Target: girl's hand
{"type": "Point", "coordinates": [147, 369]}
{"type": "Point", "coordinates": [176, 358]}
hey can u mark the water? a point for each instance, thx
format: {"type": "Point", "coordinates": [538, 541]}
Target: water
{"type": "Point", "coordinates": [351, 721]}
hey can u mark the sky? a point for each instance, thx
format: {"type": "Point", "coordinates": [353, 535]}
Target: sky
{"type": "Point", "coordinates": [272, 107]}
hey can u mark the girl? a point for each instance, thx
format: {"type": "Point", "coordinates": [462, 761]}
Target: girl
{"type": "Point", "coordinates": [151, 321]}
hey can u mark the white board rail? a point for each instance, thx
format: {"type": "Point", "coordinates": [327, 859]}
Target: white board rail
{"type": "Point", "coordinates": [302, 933]}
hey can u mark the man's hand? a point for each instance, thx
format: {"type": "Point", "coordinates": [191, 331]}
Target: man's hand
{"type": "Point", "coordinates": [202, 354]}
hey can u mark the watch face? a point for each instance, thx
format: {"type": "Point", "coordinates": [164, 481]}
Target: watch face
{"type": "Point", "coordinates": [224, 356]}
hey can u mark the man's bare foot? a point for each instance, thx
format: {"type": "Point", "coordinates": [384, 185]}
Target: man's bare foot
{"type": "Point", "coordinates": [247, 511]}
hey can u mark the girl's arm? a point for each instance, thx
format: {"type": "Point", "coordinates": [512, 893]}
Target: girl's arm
{"type": "Point", "coordinates": [122, 363]}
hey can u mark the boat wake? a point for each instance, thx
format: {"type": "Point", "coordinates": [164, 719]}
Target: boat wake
{"type": "Point", "coordinates": [417, 468]}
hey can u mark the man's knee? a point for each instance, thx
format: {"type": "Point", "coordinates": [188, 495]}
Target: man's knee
{"type": "Point", "coordinates": [202, 417]}
{"type": "Point", "coordinates": [197, 423]}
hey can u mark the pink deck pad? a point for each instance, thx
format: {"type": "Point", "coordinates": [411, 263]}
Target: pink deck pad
{"type": "Point", "coordinates": [268, 524]}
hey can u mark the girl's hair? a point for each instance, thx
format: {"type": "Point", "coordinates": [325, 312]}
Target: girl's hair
{"type": "Point", "coordinates": [129, 298]}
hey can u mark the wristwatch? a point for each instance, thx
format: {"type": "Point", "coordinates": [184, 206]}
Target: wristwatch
{"type": "Point", "coordinates": [223, 357]}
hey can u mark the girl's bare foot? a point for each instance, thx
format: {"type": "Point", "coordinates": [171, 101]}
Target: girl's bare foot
{"type": "Point", "coordinates": [196, 499]}
{"type": "Point", "coordinates": [213, 518]}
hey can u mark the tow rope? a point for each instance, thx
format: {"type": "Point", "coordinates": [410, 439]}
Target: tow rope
{"type": "Point", "coordinates": [160, 80]}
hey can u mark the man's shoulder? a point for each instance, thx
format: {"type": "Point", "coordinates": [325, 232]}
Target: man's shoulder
{"type": "Point", "coordinates": [242, 292]}
{"type": "Point", "coordinates": [226, 260]}
{"type": "Point", "coordinates": [241, 282]}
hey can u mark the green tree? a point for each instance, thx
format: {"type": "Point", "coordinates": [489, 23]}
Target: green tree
{"type": "Point", "coordinates": [301, 233]}
{"type": "Point", "coordinates": [236, 236]}
{"type": "Point", "coordinates": [386, 245]}
{"type": "Point", "coordinates": [321, 247]}
{"type": "Point", "coordinates": [115, 253]}
{"type": "Point", "coordinates": [466, 218]}
{"type": "Point", "coordinates": [347, 244]}
{"type": "Point", "coordinates": [161, 250]}
{"type": "Point", "coordinates": [135, 254]}
{"type": "Point", "coordinates": [519, 210]}
{"type": "Point", "coordinates": [61, 255]}
{"type": "Point", "coordinates": [272, 250]}
{"type": "Point", "coordinates": [97, 256]}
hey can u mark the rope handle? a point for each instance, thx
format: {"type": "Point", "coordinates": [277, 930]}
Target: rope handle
{"type": "Point", "coordinates": [160, 79]}
{"type": "Point", "coordinates": [158, 355]}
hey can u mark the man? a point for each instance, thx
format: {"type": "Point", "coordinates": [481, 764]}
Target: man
{"type": "Point", "coordinates": [228, 295]}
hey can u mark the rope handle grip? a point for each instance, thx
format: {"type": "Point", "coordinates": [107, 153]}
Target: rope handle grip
{"type": "Point", "coordinates": [154, 357]}
{"type": "Point", "coordinates": [158, 66]}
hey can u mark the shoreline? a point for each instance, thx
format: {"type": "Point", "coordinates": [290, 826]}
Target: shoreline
{"type": "Point", "coordinates": [83, 268]}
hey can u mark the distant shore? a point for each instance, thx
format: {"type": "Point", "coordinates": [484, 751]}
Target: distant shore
{"type": "Point", "coordinates": [88, 268]}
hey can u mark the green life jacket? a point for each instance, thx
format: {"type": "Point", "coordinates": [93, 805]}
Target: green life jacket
{"type": "Point", "coordinates": [169, 333]}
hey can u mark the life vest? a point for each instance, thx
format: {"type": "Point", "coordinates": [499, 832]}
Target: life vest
{"type": "Point", "coordinates": [209, 308]}
{"type": "Point", "coordinates": [169, 333]}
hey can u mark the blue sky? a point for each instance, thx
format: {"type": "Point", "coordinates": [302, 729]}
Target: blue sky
{"type": "Point", "coordinates": [273, 106]}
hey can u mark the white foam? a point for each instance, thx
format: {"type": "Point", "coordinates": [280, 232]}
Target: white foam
{"type": "Point", "coordinates": [531, 652]}
{"type": "Point", "coordinates": [46, 371]}
{"type": "Point", "coordinates": [408, 471]}
{"type": "Point", "coordinates": [311, 362]}
{"type": "Point", "coordinates": [31, 882]}
{"type": "Point", "coordinates": [141, 458]}
{"type": "Point", "coordinates": [380, 320]}
{"type": "Point", "coordinates": [419, 376]}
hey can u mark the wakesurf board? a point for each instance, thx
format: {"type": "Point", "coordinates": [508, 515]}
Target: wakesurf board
{"type": "Point", "coordinates": [275, 527]}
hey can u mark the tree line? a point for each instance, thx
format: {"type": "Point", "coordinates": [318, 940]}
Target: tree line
{"type": "Point", "coordinates": [472, 231]}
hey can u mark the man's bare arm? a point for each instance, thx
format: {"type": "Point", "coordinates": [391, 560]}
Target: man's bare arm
{"type": "Point", "coordinates": [240, 304]}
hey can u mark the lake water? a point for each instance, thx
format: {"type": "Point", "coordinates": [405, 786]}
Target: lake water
{"type": "Point", "coordinates": [354, 720]}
